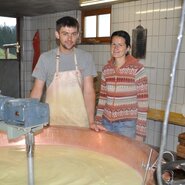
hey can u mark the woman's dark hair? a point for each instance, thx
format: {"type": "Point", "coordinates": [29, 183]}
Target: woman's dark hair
{"type": "Point", "coordinates": [122, 34]}
{"type": "Point", "coordinates": [67, 21]}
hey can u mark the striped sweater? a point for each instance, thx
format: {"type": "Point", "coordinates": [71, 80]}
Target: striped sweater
{"type": "Point", "coordinates": [124, 94]}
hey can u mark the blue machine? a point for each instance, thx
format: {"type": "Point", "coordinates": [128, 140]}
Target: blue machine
{"type": "Point", "coordinates": [20, 116]}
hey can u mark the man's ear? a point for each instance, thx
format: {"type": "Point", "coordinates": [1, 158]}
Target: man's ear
{"type": "Point", "coordinates": [57, 34]}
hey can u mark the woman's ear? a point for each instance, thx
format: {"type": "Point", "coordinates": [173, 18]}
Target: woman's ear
{"type": "Point", "coordinates": [56, 34]}
{"type": "Point", "coordinates": [128, 50]}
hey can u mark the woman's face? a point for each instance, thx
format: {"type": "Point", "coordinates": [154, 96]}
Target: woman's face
{"type": "Point", "coordinates": [118, 47]}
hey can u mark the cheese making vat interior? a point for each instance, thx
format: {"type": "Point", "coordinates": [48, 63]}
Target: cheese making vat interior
{"type": "Point", "coordinates": [134, 153]}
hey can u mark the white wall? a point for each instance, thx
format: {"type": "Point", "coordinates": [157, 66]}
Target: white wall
{"type": "Point", "coordinates": [161, 19]}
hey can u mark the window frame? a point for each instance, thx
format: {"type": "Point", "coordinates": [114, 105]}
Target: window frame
{"type": "Point", "coordinates": [97, 12]}
{"type": "Point", "coordinates": [18, 54]}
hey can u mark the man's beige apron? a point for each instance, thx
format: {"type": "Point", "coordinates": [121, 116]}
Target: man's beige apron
{"type": "Point", "coordinates": [65, 98]}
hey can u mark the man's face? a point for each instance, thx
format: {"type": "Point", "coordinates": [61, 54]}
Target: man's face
{"type": "Point", "coordinates": [68, 37]}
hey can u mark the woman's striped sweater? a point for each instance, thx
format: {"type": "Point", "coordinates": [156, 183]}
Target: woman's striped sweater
{"type": "Point", "coordinates": [124, 94]}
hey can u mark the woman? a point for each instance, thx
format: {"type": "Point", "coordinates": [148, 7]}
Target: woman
{"type": "Point", "coordinates": [123, 101]}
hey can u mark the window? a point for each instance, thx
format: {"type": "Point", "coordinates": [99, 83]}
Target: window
{"type": "Point", "coordinates": [96, 26]}
{"type": "Point", "coordinates": [8, 38]}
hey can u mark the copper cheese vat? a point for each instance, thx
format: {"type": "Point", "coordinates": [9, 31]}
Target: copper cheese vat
{"type": "Point", "coordinates": [129, 151]}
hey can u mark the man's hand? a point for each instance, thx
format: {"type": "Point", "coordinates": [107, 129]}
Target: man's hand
{"type": "Point", "coordinates": [97, 127]}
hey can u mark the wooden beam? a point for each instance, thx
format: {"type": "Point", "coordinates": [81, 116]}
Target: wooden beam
{"type": "Point", "coordinates": [174, 118]}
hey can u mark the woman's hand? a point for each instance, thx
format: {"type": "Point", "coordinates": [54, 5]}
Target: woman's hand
{"type": "Point", "coordinates": [140, 138]}
{"type": "Point", "coordinates": [97, 127]}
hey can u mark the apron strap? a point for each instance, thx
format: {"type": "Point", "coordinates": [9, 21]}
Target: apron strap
{"type": "Point", "coordinates": [58, 61]}
{"type": "Point", "coordinates": [75, 59]}
{"type": "Point", "coordinates": [77, 71]}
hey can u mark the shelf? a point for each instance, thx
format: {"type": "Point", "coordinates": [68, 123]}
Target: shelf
{"type": "Point", "coordinates": [174, 118]}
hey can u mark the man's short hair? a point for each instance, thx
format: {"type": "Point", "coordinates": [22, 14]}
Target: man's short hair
{"type": "Point", "coordinates": [67, 21]}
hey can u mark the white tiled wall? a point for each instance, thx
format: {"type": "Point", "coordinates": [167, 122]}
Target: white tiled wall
{"type": "Point", "coordinates": [161, 18]}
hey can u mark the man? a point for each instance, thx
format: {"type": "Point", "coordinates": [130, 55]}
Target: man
{"type": "Point", "coordinates": [68, 73]}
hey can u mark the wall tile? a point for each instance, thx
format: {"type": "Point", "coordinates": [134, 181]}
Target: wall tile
{"type": "Point", "coordinates": [181, 63]}
{"type": "Point", "coordinates": [150, 139]}
{"type": "Point", "coordinates": [175, 144]}
{"type": "Point", "coordinates": [162, 42]}
{"type": "Point", "coordinates": [160, 76]}
{"type": "Point", "coordinates": [160, 63]}
{"type": "Point", "coordinates": [159, 92]}
{"type": "Point", "coordinates": [171, 129]}
{"type": "Point", "coordinates": [178, 130]}
{"type": "Point", "coordinates": [180, 76]}
{"type": "Point", "coordinates": [131, 13]}
{"type": "Point", "coordinates": [169, 44]}
{"type": "Point", "coordinates": [137, 14]}
{"type": "Point", "coordinates": [170, 8]}
{"type": "Point", "coordinates": [180, 95]}
{"type": "Point", "coordinates": [176, 22]}
{"type": "Point", "coordinates": [156, 10]}
{"type": "Point", "coordinates": [178, 4]}
{"type": "Point", "coordinates": [143, 9]}
{"type": "Point", "coordinates": [163, 9]}
{"type": "Point", "coordinates": [153, 76]}
{"type": "Point", "coordinates": [157, 139]}
{"type": "Point", "coordinates": [126, 14]}
{"type": "Point", "coordinates": [149, 27]}
{"type": "Point", "coordinates": [170, 142]}
{"type": "Point", "coordinates": [162, 26]}
{"type": "Point", "coordinates": [120, 15]}
{"type": "Point", "coordinates": [152, 103]}
{"type": "Point", "coordinates": [168, 60]}
{"type": "Point", "coordinates": [152, 91]}
{"type": "Point", "coordinates": [156, 27]}
{"type": "Point", "coordinates": [150, 11]}
{"type": "Point", "coordinates": [158, 126]}
{"type": "Point", "coordinates": [169, 25]}
{"type": "Point", "coordinates": [182, 46]}
{"type": "Point", "coordinates": [158, 104]}
{"type": "Point", "coordinates": [166, 76]}
{"type": "Point", "coordinates": [154, 60]}
{"type": "Point", "coordinates": [155, 45]}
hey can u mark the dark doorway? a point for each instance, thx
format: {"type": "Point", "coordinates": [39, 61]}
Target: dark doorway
{"type": "Point", "coordinates": [9, 57]}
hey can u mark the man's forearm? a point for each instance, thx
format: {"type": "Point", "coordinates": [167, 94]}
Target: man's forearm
{"type": "Point", "coordinates": [37, 89]}
{"type": "Point", "coordinates": [35, 95]}
{"type": "Point", "coordinates": [90, 105]}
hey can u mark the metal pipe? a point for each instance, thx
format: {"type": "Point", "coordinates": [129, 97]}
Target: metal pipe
{"type": "Point", "coordinates": [30, 154]}
{"type": "Point", "coordinates": [172, 156]}
{"type": "Point", "coordinates": [147, 167]}
{"type": "Point", "coordinates": [165, 123]}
